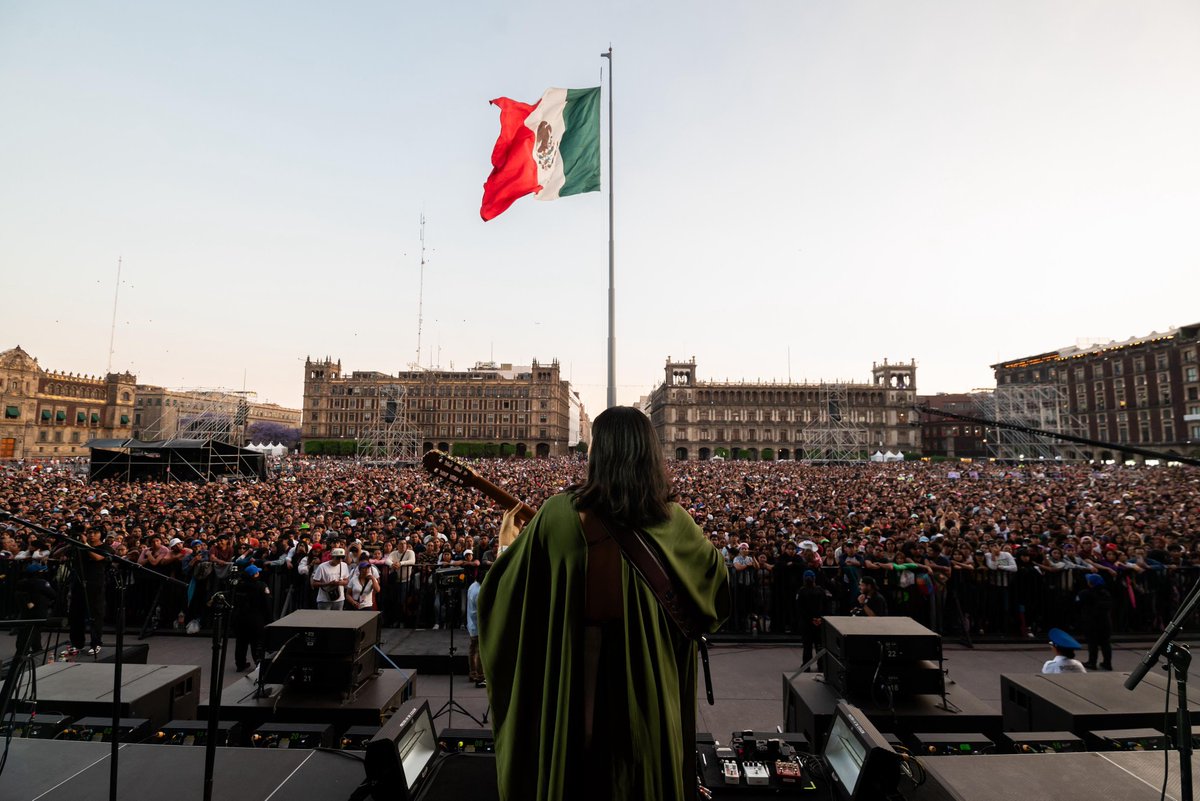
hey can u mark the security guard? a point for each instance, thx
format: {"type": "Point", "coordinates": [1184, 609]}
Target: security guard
{"type": "Point", "coordinates": [1063, 645]}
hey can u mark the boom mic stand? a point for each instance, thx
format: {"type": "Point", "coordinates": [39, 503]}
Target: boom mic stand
{"type": "Point", "coordinates": [450, 594]}
{"type": "Point", "coordinates": [116, 563]}
{"type": "Point", "coordinates": [1179, 657]}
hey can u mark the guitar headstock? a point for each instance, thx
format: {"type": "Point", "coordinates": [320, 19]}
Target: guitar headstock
{"type": "Point", "coordinates": [440, 465]}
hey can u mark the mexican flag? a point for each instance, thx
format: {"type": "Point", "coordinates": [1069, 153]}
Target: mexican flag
{"type": "Point", "coordinates": [550, 148]}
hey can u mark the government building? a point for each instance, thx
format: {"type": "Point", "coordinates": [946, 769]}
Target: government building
{"type": "Point", "coordinates": [513, 410]}
{"type": "Point", "coordinates": [1143, 391]}
{"type": "Point", "coordinates": [49, 415]}
{"type": "Point", "coordinates": [828, 422]}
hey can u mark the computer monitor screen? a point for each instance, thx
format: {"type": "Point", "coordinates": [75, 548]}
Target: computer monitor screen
{"type": "Point", "coordinates": [862, 764]}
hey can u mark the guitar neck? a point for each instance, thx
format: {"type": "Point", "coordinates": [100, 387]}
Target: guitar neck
{"type": "Point", "coordinates": [525, 512]}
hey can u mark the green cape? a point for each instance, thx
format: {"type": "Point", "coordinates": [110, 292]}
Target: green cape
{"type": "Point", "coordinates": [531, 612]}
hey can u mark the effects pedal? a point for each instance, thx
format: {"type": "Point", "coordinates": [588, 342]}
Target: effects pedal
{"type": "Point", "coordinates": [756, 773]}
{"type": "Point", "coordinates": [729, 769]}
{"type": "Point", "coordinates": [788, 771]}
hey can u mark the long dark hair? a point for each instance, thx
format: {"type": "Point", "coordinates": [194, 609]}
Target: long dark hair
{"type": "Point", "coordinates": [627, 480]}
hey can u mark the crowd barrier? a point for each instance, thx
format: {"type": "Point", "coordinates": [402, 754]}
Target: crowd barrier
{"type": "Point", "coordinates": [966, 604]}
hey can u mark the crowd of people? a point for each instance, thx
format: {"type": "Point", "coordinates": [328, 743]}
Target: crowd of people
{"type": "Point", "coordinates": [969, 549]}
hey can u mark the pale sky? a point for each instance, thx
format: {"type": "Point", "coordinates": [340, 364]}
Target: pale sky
{"type": "Point", "coordinates": [952, 181]}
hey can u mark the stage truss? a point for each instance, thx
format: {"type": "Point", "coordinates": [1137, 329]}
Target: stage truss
{"type": "Point", "coordinates": [832, 436]}
{"type": "Point", "coordinates": [1042, 406]}
{"type": "Point", "coordinates": [390, 438]}
{"type": "Point", "coordinates": [213, 415]}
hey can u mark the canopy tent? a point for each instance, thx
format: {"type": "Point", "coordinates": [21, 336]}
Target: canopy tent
{"type": "Point", "coordinates": [880, 456]}
{"type": "Point", "coordinates": [273, 449]}
{"type": "Point", "coordinates": [172, 460]}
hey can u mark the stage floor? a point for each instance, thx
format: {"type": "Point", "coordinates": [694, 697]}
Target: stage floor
{"type": "Point", "coordinates": [745, 677]}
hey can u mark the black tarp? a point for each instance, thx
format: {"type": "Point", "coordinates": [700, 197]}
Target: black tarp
{"type": "Point", "coordinates": [172, 460]}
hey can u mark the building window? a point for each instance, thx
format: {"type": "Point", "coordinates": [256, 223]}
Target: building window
{"type": "Point", "coordinates": [1189, 374]}
{"type": "Point", "coordinates": [42, 435]}
{"type": "Point", "coordinates": [12, 412]}
{"type": "Point", "coordinates": [74, 436]}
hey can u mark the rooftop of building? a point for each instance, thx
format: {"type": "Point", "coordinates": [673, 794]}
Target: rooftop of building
{"type": "Point", "coordinates": [1080, 350]}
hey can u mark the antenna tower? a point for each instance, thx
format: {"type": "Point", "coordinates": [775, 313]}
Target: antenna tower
{"type": "Point", "coordinates": [421, 294]}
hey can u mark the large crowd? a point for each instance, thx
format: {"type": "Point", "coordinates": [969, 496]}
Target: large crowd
{"type": "Point", "coordinates": [969, 549]}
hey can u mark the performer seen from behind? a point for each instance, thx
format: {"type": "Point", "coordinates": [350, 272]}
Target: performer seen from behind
{"type": "Point", "coordinates": [592, 686]}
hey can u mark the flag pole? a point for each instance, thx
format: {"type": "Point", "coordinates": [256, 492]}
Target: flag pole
{"type": "Point", "coordinates": [612, 334]}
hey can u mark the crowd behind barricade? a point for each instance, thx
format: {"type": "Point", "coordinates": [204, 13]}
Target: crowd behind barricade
{"type": "Point", "coordinates": [968, 549]}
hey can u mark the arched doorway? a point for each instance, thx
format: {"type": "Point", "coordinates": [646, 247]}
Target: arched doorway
{"type": "Point", "coordinates": [506, 449]}
{"type": "Point", "coordinates": [542, 450]}
{"type": "Point", "coordinates": [444, 446]}
{"type": "Point", "coordinates": [427, 446]}
{"type": "Point", "coordinates": [784, 455]}
{"type": "Point", "coordinates": [681, 454]}
{"type": "Point", "coordinates": [705, 454]}
{"type": "Point", "coordinates": [751, 454]}
{"type": "Point", "coordinates": [521, 449]}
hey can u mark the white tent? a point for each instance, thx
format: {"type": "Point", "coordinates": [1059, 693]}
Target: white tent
{"type": "Point", "coordinates": [893, 457]}
{"type": "Point", "coordinates": [878, 456]}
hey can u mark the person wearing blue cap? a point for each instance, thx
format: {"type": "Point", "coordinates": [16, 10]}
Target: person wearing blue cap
{"type": "Point", "coordinates": [1095, 607]}
{"type": "Point", "coordinates": [1064, 646]}
{"type": "Point", "coordinates": [251, 613]}
{"type": "Point", "coordinates": [812, 605]}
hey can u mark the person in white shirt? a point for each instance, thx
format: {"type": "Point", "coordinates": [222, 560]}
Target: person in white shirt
{"type": "Point", "coordinates": [364, 584]}
{"type": "Point", "coordinates": [330, 579]}
{"type": "Point", "coordinates": [1064, 646]}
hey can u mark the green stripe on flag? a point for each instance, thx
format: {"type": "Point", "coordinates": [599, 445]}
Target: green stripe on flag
{"type": "Point", "coordinates": [580, 145]}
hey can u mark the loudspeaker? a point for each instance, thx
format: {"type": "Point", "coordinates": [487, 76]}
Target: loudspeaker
{"type": "Point", "coordinates": [866, 678]}
{"type": "Point", "coordinates": [195, 732]}
{"type": "Point", "coordinates": [869, 640]}
{"type": "Point", "coordinates": [99, 730]}
{"type": "Point", "coordinates": [44, 726]}
{"type": "Point", "coordinates": [293, 735]}
{"type": "Point", "coordinates": [1042, 742]}
{"type": "Point", "coordinates": [324, 633]}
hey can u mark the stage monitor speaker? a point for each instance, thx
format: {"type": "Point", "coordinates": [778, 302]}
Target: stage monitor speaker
{"type": "Point", "coordinates": [99, 730]}
{"type": "Point", "coordinates": [939, 744]}
{"type": "Point", "coordinates": [871, 640]}
{"type": "Point", "coordinates": [306, 671]}
{"type": "Point", "coordinates": [293, 735]}
{"type": "Point", "coordinates": [873, 679]}
{"type": "Point", "coordinates": [1042, 742]}
{"type": "Point", "coordinates": [324, 633]}
{"type": "Point", "coordinates": [400, 758]}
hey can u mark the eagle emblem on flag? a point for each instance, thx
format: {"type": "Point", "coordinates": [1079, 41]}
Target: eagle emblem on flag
{"type": "Point", "coordinates": [545, 148]}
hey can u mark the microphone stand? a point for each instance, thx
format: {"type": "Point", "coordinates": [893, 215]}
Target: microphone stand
{"type": "Point", "coordinates": [1179, 656]}
{"type": "Point", "coordinates": [115, 563]}
{"type": "Point", "coordinates": [220, 638]}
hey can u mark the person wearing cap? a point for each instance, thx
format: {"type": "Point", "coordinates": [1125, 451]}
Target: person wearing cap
{"type": "Point", "coordinates": [812, 605]}
{"type": "Point", "coordinates": [330, 580]}
{"type": "Point", "coordinates": [363, 587]}
{"type": "Point", "coordinates": [86, 607]}
{"type": "Point", "coordinates": [251, 614]}
{"type": "Point", "coordinates": [1095, 607]}
{"type": "Point", "coordinates": [1064, 647]}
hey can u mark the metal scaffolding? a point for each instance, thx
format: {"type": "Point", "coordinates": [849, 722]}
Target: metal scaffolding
{"type": "Point", "coordinates": [832, 435]}
{"type": "Point", "coordinates": [390, 438]}
{"type": "Point", "coordinates": [1040, 406]}
{"type": "Point", "coordinates": [213, 415]}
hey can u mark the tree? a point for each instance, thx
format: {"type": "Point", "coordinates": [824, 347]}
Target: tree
{"type": "Point", "coordinates": [269, 432]}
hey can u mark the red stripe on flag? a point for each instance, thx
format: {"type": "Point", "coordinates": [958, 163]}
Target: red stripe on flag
{"type": "Point", "coordinates": [514, 173]}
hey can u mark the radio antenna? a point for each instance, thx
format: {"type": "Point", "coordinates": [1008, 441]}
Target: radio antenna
{"type": "Point", "coordinates": [112, 333]}
{"type": "Point", "coordinates": [421, 294]}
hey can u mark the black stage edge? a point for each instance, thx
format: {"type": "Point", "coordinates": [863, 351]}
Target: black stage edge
{"type": "Point", "coordinates": [1124, 775]}
{"type": "Point", "coordinates": [374, 700]}
{"type": "Point", "coordinates": [1082, 702]}
{"type": "Point", "coordinates": [425, 652]}
{"type": "Point", "coordinates": [85, 689]}
{"type": "Point", "coordinates": [54, 770]}
{"type": "Point", "coordinates": [808, 706]}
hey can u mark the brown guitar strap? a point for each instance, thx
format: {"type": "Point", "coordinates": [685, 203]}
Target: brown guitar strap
{"type": "Point", "coordinates": [646, 562]}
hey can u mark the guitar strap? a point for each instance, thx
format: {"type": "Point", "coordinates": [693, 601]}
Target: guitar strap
{"type": "Point", "coordinates": [647, 563]}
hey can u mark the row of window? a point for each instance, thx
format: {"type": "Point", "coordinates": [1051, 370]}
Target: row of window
{"type": "Point", "coordinates": [762, 435]}
{"type": "Point", "coordinates": [440, 431]}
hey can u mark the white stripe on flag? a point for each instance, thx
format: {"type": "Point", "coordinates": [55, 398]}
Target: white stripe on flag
{"type": "Point", "coordinates": [550, 111]}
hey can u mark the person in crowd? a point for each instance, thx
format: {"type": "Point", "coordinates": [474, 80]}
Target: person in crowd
{"type": "Point", "coordinates": [1095, 608]}
{"type": "Point", "coordinates": [870, 602]}
{"type": "Point", "coordinates": [564, 617]}
{"type": "Point", "coordinates": [474, 664]}
{"type": "Point", "coordinates": [35, 595]}
{"type": "Point", "coordinates": [87, 604]}
{"type": "Point", "coordinates": [1063, 646]}
{"type": "Point", "coordinates": [363, 588]}
{"type": "Point", "coordinates": [251, 614]}
{"type": "Point", "coordinates": [330, 580]}
{"type": "Point", "coordinates": [812, 605]}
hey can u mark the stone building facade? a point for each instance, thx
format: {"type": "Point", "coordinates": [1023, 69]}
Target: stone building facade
{"type": "Point", "coordinates": [944, 436]}
{"type": "Point", "coordinates": [48, 415]}
{"type": "Point", "coordinates": [700, 419]}
{"type": "Point", "coordinates": [522, 410]}
{"type": "Point", "coordinates": [159, 410]}
{"type": "Point", "coordinates": [1144, 391]}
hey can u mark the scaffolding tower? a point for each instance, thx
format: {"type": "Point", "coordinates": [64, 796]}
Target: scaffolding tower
{"type": "Point", "coordinates": [213, 415]}
{"type": "Point", "coordinates": [390, 439]}
{"type": "Point", "coordinates": [1040, 406]}
{"type": "Point", "coordinates": [832, 436]}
